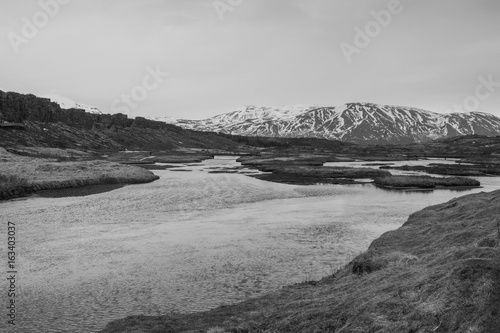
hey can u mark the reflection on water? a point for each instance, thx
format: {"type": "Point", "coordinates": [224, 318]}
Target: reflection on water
{"type": "Point", "coordinates": [188, 242]}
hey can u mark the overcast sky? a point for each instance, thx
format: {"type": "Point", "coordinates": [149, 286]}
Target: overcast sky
{"type": "Point", "coordinates": [439, 55]}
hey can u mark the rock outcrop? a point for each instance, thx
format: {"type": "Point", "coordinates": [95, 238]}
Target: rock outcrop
{"type": "Point", "coordinates": [45, 123]}
{"type": "Point", "coordinates": [19, 108]}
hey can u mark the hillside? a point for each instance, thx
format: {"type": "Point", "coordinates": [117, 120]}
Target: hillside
{"type": "Point", "coordinates": [31, 121]}
{"type": "Point", "coordinates": [439, 272]}
{"type": "Point", "coordinates": [41, 122]}
{"type": "Point", "coordinates": [354, 122]}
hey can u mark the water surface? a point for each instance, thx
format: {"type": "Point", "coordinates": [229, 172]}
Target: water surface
{"type": "Point", "coordinates": [190, 241]}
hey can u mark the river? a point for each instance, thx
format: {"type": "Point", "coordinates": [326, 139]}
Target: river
{"type": "Point", "coordinates": [190, 241]}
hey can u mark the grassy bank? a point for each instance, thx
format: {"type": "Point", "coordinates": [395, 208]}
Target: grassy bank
{"type": "Point", "coordinates": [22, 175]}
{"type": "Point", "coordinates": [148, 157]}
{"type": "Point", "coordinates": [307, 169]}
{"type": "Point", "coordinates": [307, 175]}
{"type": "Point", "coordinates": [439, 272]}
{"type": "Point", "coordinates": [477, 170]}
{"type": "Point", "coordinates": [425, 182]}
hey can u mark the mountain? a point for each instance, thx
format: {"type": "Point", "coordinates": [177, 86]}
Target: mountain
{"type": "Point", "coordinates": [66, 103]}
{"type": "Point", "coordinates": [354, 122]}
{"type": "Point", "coordinates": [242, 114]}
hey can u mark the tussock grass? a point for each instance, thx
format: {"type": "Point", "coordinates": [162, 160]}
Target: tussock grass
{"type": "Point", "coordinates": [12, 181]}
{"type": "Point", "coordinates": [424, 181]}
{"type": "Point", "coordinates": [12, 185]}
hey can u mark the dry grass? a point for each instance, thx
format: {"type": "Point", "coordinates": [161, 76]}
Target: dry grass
{"type": "Point", "coordinates": [332, 172]}
{"type": "Point", "coordinates": [425, 181]}
{"type": "Point", "coordinates": [306, 174]}
{"type": "Point", "coordinates": [11, 182]}
{"type": "Point", "coordinates": [22, 175]}
{"type": "Point", "coordinates": [432, 275]}
{"type": "Point", "coordinates": [49, 153]}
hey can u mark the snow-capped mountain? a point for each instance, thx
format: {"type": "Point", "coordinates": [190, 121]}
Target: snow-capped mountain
{"type": "Point", "coordinates": [66, 103]}
{"type": "Point", "coordinates": [244, 114]}
{"type": "Point", "coordinates": [355, 122]}
{"type": "Point", "coordinates": [168, 120]}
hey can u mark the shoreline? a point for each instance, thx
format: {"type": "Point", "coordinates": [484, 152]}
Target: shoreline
{"type": "Point", "coordinates": [402, 188]}
{"type": "Point", "coordinates": [84, 185]}
{"type": "Point", "coordinates": [80, 191]}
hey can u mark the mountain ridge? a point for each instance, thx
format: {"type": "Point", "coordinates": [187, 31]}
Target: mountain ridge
{"type": "Point", "coordinates": [355, 122]}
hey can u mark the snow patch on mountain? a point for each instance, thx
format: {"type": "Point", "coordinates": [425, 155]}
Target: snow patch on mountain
{"type": "Point", "coordinates": [67, 103]}
{"type": "Point", "coordinates": [168, 120]}
{"type": "Point", "coordinates": [357, 122]}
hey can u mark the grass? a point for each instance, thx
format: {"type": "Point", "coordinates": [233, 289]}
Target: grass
{"type": "Point", "coordinates": [9, 181]}
{"type": "Point", "coordinates": [12, 185]}
{"type": "Point", "coordinates": [307, 175]}
{"type": "Point", "coordinates": [46, 174]}
{"type": "Point", "coordinates": [452, 169]}
{"type": "Point", "coordinates": [49, 153]}
{"type": "Point", "coordinates": [148, 157]}
{"type": "Point", "coordinates": [439, 272]}
{"type": "Point", "coordinates": [424, 182]}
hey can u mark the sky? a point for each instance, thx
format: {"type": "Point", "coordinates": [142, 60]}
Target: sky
{"type": "Point", "coordinates": [198, 58]}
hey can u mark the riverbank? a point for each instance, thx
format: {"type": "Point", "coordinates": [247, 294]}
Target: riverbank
{"type": "Point", "coordinates": [308, 170]}
{"type": "Point", "coordinates": [439, 272]}
{"type": "Point", "coordinates": [22, 175]}
{"type": "Point", "coordinates": [478, 170]}
{"type": "Point", "coordinates": [426, 182]}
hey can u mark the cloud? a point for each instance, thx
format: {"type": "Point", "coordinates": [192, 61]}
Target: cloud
{"type": "Point", "coordinates": [264, 52]}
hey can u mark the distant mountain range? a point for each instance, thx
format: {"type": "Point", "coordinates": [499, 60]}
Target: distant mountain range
{"type": "Point", "coordinates": [351, 122]}
{"type": "Point", "coordinates": [354, 122]}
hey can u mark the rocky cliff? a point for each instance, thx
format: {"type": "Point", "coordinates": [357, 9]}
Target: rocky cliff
{"type": "Point", "coordinates": [47, 124]}
{"type": "Point", "coordinates": [18, 108]}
